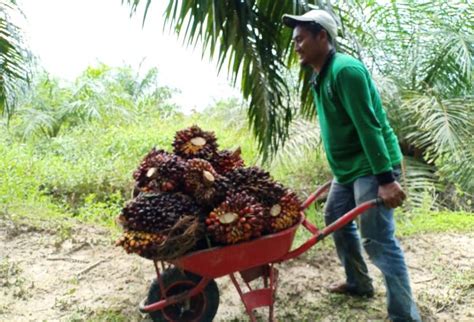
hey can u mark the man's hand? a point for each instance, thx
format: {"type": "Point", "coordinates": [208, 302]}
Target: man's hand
{"type": "Point", "coordinates": [392, 194]}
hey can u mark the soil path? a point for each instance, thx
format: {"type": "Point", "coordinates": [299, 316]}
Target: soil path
{"type": "Point", "coordinates": [78, 275]}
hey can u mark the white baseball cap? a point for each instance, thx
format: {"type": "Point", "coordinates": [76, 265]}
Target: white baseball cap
{"type": "Point", "coordinates": [318, 16]}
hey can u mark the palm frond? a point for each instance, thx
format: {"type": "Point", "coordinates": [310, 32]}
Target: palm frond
{"type": "Point", "coordinates": [426, 51]}
{"type": "Point", "coordinates": [40, 122]}
{"type": "Point", "coordinates": [458, 169]}
{"type": "Point", "coordinates": [304, 137]}
{"type": "Point", "coordinates": [436, 125]}
{"type": "Point", "coordinates": [231, 112]}
{"type": "Point", "coordinates": [14, 59]}
{"type": "Point", "coordinates": [419, 182]}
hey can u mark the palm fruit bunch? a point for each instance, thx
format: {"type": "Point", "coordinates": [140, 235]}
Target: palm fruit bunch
{"type": "Point", "coordinates": [140, 242]}
{"type": "Point", "coordinates": [281, 206]}
{"type": "Point", "coordinates": [204, 183]}
{"type": "Point", "coordinates": [193, 142]}
{"type": "Point", "coordinates": [239, 218]}
{"type": "Point", "coordinates": [283, 213]}
{"type": "Point", "coordinates": [254, 181]}
{"type": "Point", "coordinates": [225, 161]}
{"type": "Point", "coordinates": [159, 171]}
{"type": "Point", "coordinates": [157, 213]}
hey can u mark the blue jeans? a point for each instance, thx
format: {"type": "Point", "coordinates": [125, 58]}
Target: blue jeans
{"type": "Point", "coordinates": [377, 229]}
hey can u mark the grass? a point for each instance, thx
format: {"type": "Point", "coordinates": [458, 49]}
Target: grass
{"type": "Point", "coordinates": [86, 174]}
{"type": "Point", "coordinates": [435, 222]}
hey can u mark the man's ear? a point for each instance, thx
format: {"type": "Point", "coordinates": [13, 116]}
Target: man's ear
{"type": "Point", "coordinates": [324, 35]}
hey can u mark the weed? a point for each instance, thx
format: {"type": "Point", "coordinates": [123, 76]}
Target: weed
{"type": "Point", "coordinates": [109, 315]}
{"type": "Point", "coordinates": [11, 279]}
{"type": "Point", "coordinates": [423, 221]}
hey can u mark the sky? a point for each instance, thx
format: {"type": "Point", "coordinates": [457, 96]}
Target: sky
{"type": "Point", "coordinates": [69, 35]}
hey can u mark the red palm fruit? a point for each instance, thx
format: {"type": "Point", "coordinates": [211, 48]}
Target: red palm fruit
{"type": "Point", "coordinates": [283, 214]}
{"type": "Point", "coordinates": [159, 172]}
{"type": "Point", "coordinates": [204, 183]}
{"type": "Point", "coordinates": [237, 219]}
{"type": "Point", "coordinates": [193, 142]}
{"type": "Point", "coordinates": [226, 161]}
{"type": "Point", "coordinates": [257, 183]}
{"type": "Point", "coordinates": [157, 213]}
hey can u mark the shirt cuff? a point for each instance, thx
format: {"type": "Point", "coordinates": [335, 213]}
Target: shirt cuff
{"type": "Point", "coordinates": [385, 177]}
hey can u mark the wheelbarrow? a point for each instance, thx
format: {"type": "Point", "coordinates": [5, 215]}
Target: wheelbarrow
{"type": "Point", "coordinates": [185, 290]}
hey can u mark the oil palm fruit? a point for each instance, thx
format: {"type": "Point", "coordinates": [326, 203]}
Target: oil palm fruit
{"type": "Point", "coordinates": [204, 183]}
{"type": "Point", "coordinates": [141, 243]}
{"type": "Point", "coordinates": [153, 157]}
{"type": "Point", "coordinates": [248, 177]}
{"type": "Point", "coordinates": [237, 219]}
{"type": "Point", "coordinates": [157, 213]}
{"type": "Point", "coordinates": [159, 172]}
{"type": "Point", "coordinates": [283, 213]}
{"type": "Point", "coordinates": [255, 182]}
{"type": "Point", "coordinates": [198, 172]}
{"type": "Point", "coordinates": [193, 142]}
{"type": "Point", "coordinates": [225, 161]}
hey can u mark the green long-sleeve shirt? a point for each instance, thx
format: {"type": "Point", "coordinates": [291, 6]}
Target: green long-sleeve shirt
{"type": "Point", "coordinates": [355, 131]}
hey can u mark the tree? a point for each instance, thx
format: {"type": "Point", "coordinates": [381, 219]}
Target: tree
{"type": "Point", "coordinates": [14, 58]}
{"type": "Point", "coordinates": [99, 93]}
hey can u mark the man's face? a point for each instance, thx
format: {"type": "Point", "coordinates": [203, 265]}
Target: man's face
{"type": "Point", "coordinates": [307, 46]}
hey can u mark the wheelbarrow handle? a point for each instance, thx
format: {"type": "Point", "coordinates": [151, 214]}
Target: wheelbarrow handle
{"type": "Point", "coordinates": [338, 224]}
{"type": "Point", "coordinates": [312, 197]}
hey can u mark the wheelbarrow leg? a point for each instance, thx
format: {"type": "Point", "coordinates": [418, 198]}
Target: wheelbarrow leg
{"type": "Point", "coordinates": [158, 276]}
{"type": "Point", "coordinates": [263, 297]}
{"type": "Point", "coordinates": [241, 294]}
{"type": "Point", "coordinates": [273, 287]}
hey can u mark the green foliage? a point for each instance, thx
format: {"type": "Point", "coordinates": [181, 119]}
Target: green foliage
{"type": "Point", "coordinates": [424, 221]}
{"type": "Point", "coordinates": [101, 211]}
{"type": "Point", "coordinates": [45, 108]}
{"type": "Point", "coordinates": [428, 83]}
{"type": "Point", "coordinates": [14, 59]}
{"type": "Point", "coordinates": [85, 173]}
{"type": "Point", "coordinates": [105, 94]}
{"type": "Point", "coordinates": [81, 141]}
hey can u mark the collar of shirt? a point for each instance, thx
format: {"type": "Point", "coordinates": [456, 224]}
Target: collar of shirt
{"type": "Point", "coordinates": [317, 78]}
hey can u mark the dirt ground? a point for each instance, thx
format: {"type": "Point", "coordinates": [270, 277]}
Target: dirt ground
{"type": "Point", "coordinates": [76, 274]}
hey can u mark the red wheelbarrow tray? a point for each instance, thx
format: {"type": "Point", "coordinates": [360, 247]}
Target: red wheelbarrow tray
{"type": "Point", "coordinates": [219, 261]}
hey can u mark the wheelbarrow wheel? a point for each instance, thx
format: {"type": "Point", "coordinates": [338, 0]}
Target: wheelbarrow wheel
{"type": "Point", "coordinates": [202, 307]}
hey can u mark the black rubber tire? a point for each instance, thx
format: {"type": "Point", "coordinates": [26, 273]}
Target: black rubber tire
{"type": "Point", "coordinates": [203, 306]}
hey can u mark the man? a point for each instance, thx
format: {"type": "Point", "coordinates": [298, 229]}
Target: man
{"type": "Point", "coordinates": [364, 156]}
